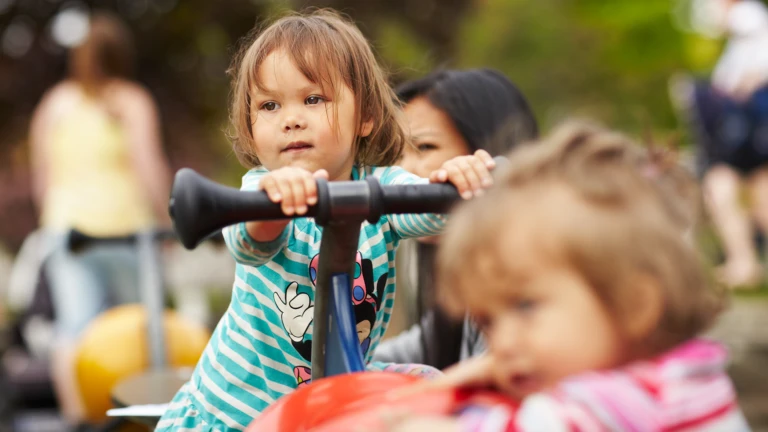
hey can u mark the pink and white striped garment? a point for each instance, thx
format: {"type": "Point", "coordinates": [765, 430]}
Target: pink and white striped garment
{"type": "Point", "coordinates": [685, 389]}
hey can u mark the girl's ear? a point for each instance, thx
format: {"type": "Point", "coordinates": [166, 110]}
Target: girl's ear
{"type": "Point", "coordinates": [366, 128]}
{"type": "Point", "coordinates": [645, 307]}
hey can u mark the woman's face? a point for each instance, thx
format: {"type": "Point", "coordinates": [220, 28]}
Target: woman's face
{"type": "Point", "coordinates": [434, 136]}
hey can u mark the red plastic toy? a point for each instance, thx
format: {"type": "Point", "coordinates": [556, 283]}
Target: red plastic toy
{"type": "Point", "coordinates": [354, 402]}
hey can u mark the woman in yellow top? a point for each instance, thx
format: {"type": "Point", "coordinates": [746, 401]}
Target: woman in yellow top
{"type": "Point", "coordinates": [98, 167]}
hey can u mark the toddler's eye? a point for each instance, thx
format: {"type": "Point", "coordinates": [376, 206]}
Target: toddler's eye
{"type": "Point", "coordinates": [269, 106]}
{"type": "Point", "coordinates": [524, 305]}
{"type": "Point", "coordinates": [482, 322]}
{"type": "Point", "coordinates": [313, 100]}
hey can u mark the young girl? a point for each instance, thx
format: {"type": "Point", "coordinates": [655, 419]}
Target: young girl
{"type": "Point", "coordinates": [309, 101]}
{"type": "Point", "coordinates": [591, 298]}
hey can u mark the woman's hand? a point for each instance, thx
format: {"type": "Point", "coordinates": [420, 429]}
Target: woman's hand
{"type": "Point", "coordinates": [470, 174]}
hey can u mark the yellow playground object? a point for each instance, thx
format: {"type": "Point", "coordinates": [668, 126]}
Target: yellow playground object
{"type": "Point", "coordinates": [114, 347]}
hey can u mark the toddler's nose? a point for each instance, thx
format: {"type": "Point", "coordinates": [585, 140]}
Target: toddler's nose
{"type": "Point", "coordinates": [504, 341]}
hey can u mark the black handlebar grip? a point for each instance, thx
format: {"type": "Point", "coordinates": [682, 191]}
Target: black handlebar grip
{"type": "Point", "coordinates": [418, 198]}
{"type": "Point", "coordinates": [200, 207]}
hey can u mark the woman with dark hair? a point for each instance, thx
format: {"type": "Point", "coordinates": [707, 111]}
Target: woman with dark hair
{"type": "Point", "coordinates": [450, 113]}
{"type": "Point", "coordinates": [98, 167]}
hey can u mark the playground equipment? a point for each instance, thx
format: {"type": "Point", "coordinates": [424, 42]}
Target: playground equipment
{"type": "Point", "coordinates": [137, 346]}
{"type": "Point", "coordinates": [357, 401]}
{"type": "Point", "coordinates": [200, 207]}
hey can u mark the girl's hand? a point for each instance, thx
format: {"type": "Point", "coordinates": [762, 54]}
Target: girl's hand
{"type": "Point", "coordinates": [475, 372]}
{"type": "Point", "coordinates": [399, 420]}
{"type": "Point", "coordinates": [422, 424]}
{"type": "Point", "coordinates": [470, 174]}
{"type": "Point", "coordinates": [295, 188]}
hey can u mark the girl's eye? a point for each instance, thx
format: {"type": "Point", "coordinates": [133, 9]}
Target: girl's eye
{"type": "Point", "coordinates": [269, 106]}
{"type": "Point", "coordinates": [426, 147]}
{"type": "Point", "coordinates": [314, 100]}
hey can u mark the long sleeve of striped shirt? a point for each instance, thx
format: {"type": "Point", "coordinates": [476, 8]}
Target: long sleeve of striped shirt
{"type": "Point", "coordinates": [409, 225]}
{"type": "Point", "coordinates": [243, 247]}
{"type": "Point", "coordinates": [684, 390]}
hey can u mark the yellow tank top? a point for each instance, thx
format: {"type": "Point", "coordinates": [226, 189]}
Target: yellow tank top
{"type": "Point", "coordinates": [92, 184]}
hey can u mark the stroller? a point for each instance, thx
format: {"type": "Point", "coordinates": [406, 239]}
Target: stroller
{"type": "Point", "coordinates": [24, 367]}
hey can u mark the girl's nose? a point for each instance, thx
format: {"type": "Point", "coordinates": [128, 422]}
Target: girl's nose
{"type": "Point", "coordinates": [293, 122]}
{"type": "Point", "coordinates": [504, 339]}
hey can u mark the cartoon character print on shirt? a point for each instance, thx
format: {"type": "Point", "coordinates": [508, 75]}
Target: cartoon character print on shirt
{"type": "Point", "coordinates": [297, 310]}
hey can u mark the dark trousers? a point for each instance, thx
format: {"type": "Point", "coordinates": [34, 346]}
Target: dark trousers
{"type": "Point", "coordinates": [731, 132]}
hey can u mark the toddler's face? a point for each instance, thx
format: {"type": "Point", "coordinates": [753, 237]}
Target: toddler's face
{"type": "Point", "coordinates": [297, 123]}
{"type": "Point", "coordinates": [543, 325]}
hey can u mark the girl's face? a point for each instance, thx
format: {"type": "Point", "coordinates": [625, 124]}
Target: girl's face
{"type": "Point", "coordinates": [543, 324]}
{"type": "Point", "coordinates": [298, 124]}
{"type": "Point", "coordinates": [434, 136]}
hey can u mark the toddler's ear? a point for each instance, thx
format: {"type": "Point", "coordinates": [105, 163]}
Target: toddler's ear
{"type": "Point", "coordinates": [644, 306]}
{"type": "Point", "coordinates": [366, 128]}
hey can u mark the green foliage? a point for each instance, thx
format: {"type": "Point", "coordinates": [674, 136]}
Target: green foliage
{"type": "Point", "coordinates": [606, 60]}
{"type": "Point", "coordinates": [408, 55]}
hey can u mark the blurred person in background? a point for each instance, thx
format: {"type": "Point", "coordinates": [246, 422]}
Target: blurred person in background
{"type": "Point", "coordinates": [730, 116]}
{"type": "Point", "coordinates": [449, 113]}
{"type": "Point", "coordinates": [98, 167]}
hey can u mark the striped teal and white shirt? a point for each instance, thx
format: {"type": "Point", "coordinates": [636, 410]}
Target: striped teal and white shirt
{"type": "Point", "coordinates": [261, 348]}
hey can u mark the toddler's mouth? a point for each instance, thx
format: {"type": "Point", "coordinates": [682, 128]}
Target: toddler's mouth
{"type": "Point", "coordinates": [524, 383]}
{"type": "Point", "coordinates": [297, 146]}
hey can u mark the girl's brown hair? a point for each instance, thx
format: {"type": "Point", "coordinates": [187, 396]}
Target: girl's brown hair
{"type": "Point", "coordinates": [329, 50]}
{"type": "Point", "coordinates": [628, 222]}
{"type": "Point", "coordinates": [107, 52]}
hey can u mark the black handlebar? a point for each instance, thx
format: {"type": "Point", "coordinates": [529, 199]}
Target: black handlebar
{"type": "Point", "coordinates": [200, 207]}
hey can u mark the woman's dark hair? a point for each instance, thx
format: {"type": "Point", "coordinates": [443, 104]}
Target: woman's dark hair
{"type": "Point", "coordinates": [107, 52]}
{"type": "Point", "coordinates": [492, 114]}
{"type": "Point", "coordinates": [488, 110]}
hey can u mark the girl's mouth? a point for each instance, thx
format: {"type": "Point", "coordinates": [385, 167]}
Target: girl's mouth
{"type": "Point", "coordinates": [296, 146]}
{"type": "Point", "coordinates": [524, 383]}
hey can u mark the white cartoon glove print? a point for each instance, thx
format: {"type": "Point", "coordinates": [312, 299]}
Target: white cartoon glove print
{"type": "Point", "coordinates": [296, 311]}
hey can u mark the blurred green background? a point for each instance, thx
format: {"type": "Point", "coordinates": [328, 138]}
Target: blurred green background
{"type": "Point", "coordinates": [608, 60]}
